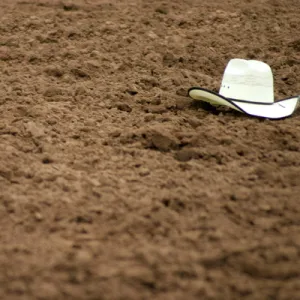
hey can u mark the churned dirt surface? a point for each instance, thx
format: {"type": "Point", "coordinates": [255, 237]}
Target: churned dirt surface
{"type": "Point", "coordinates": [114, 184]}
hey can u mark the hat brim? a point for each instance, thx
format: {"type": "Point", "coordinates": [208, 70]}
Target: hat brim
{"type": "Point", "coordinates": [276, 110]}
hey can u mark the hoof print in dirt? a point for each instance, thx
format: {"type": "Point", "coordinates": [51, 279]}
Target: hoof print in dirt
{"type": "Point", "coordinates": [160, 140]}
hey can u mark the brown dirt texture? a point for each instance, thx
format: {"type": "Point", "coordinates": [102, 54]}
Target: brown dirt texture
{"type": "Point", "coordinates": [113, 183]}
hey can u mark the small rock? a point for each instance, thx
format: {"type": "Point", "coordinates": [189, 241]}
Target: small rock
{"type": "Point", "coordinates": [93, 64]}
{"type": "Point", "coordinates": [194, 122]}
{"type": "Point", "coordinates": [156, 109]}
{"type": "Point", "coordinates": [69, 6]}
{"type": "Point", "coordinates": [132, 92]}
{"type": "Point", "coordinates": [155, 101]}
{"type": "Point", "coordinates": [162, 142]}
{"type": "Point", "coordinates": [152, 35]}
{"type": "Point", "coordinates": [123, 107]}
{"type": "Point", "coordinates": [54, 71]}
{"type": "Point", "coordinates": [34, 129]}
{"type": "Point", "coordinates": [265, 207]}
{"type": "Point", "coordinates": [186, 155]}
{"type": "Point", "coordinates": [144, 172]}
{"type": "Point", "coordinates": [161, 10]}
{"type": "Point", "coordinates": [83, 257]}
{"type": "Point", "coordinates": [53, 91]}
{"type": "Point", "coordinates": [149, 117]}
{"type": "Point", "coordinates": [115, 133]}
{"type": "Point", "coordinates": [4, 53]}
{"type": "Point", "coordinates": [47, 159]}
{"type": "Point", "coordinates": [38, 216]}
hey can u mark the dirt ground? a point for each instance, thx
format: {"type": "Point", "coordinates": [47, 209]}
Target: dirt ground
{"type": "Point", "coordinates": [114, 184]}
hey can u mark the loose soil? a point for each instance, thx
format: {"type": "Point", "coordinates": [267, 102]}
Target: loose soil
{"type": "Point", "coordinates": [113, 183]}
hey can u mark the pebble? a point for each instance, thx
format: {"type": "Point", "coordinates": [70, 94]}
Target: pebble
{"type": "Point", "coordinates": [123, 107]}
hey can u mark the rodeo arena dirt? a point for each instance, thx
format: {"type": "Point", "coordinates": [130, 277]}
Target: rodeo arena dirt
{"type": "Point", "coordinates": [114, 183]}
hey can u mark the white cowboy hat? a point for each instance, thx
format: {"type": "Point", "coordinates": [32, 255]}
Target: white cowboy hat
{"type": "Point", "coordinates": [247, 86]}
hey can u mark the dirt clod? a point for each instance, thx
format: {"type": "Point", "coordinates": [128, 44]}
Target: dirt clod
{"type": "Point", "coordinates": [123, 107]}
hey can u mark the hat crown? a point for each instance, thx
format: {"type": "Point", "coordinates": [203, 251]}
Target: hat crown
{"type": "Point", "coordinates": [248, 80]}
